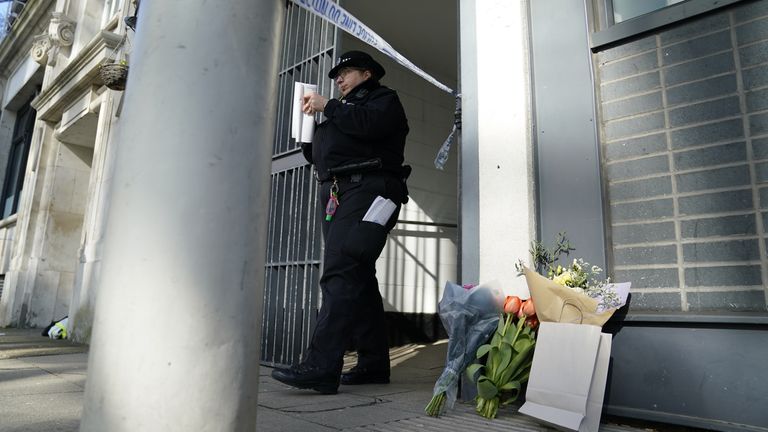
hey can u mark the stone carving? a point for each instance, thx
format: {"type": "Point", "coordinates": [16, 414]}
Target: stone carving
{"type": "Point", "coordinates": [60, 34]}
{"type": "Point", "coordinates": [41, 44]}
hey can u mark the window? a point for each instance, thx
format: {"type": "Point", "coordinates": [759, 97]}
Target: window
{"type": "Point", "coordinates": [626, 9]}
{"type": "Point", "coordinates": [111, 8]}
{"type": "Point", "coordinates": [17, 160]}
{"type": "Point", "coordinates": [617, 20]}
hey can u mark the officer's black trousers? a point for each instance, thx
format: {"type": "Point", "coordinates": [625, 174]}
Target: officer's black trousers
{"type": "Point", "coordinates": [352, 312]}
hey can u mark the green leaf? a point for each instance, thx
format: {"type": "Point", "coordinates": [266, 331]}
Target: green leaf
{"type": "Point", "coordinates": [473, 369]}
{"type": "Point", "coordinates": [512, 385]}
{"type": "Point", "coordinates": [494, 359]}
{"type": "Point", "coordinates": [505, 356]}
{"type": "Point", "coordinates": [483, 350]}
{"type": "Point", "coordinates": [486, 389]}
{"type": "Point", "coordinates": [509, 337]}
{"type": "Point", "coordinates": [523, 344]}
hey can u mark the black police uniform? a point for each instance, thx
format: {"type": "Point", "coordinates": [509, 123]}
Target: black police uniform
{"type": "Point", "coordinates": [369, 124]}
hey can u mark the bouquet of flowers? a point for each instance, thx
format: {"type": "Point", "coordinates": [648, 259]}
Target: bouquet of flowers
{"type": "Point", "coordinates": [469, 314]}
{"type": "Point", "coordinates": [508, 357]}
{"type": "Point", "coordinates": [571, 293]}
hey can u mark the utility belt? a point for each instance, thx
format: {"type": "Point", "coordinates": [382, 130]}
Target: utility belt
{"type": "Point", "coordinates": [356, 172]}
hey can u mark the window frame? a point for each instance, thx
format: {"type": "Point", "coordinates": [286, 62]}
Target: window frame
{"type": "Point", "coordinates": [606, 32]}
{"type": "Point", "coordinates": [21, 141]}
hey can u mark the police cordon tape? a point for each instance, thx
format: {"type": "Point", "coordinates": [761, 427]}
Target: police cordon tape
{"type": "Point", "coordinates": [342, 19]}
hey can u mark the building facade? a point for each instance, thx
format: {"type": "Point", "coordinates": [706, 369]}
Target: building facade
{"type": "Point", "coordinates": [57, 121]}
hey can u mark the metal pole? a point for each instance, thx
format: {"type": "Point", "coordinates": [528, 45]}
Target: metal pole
{"type": "Point", "coordinates": [176, 334]}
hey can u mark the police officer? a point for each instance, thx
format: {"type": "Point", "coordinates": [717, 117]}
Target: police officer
{"type": "Point", "coordinates": [358, 156]}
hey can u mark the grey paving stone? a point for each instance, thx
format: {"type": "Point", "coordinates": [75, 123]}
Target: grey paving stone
{"type": "Point", "coordinates": [34, 381]}
{"type": "Point", "coordinates": [46, 412]}
{"type": "Point", "coordinates": [276, 421]}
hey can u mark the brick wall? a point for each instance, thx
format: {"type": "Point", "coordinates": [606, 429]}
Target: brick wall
{"type": "Point", "coordinates": [684, 133]}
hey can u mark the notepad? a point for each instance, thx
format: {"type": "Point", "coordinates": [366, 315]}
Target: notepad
{"type": "Point", "coordinates": [380, 211]}
{"type": "Point", "coordinates": [302, 125]}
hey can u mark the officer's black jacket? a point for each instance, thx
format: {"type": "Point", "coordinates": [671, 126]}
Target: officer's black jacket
{"type": "Point", "coordinates": [369, 123]}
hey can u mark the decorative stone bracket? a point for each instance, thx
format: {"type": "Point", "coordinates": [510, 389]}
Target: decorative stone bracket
{"type": "Point", "coordinates": [61, 34]}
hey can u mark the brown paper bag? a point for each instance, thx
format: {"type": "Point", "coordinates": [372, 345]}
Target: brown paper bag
{"type": "Point", "coordinates": [557, 303]}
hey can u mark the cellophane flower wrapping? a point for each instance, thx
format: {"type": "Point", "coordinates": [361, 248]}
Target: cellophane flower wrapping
{"type": "Point", "coordinates": [470, 316]}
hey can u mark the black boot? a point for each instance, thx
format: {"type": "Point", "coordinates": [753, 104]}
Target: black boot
{"type": "Point", "coordinates": [304, 376]}
{"type": "Point", "coordinates": [361, 375]}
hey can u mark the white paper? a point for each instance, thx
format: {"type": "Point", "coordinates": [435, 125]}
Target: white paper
{"type": "Point", "coordinates": [380, 211]}
{"type": "Point", "coordinates": [302, 125]}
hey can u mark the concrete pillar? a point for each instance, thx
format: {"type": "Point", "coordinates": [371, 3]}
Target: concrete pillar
{"type": "Point", "coordinates": [498, 216]}
{"type": "Point", "coordinates": [176, 336]}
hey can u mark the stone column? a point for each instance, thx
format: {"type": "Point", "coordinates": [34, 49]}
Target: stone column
{"type": "Point", "coordinates": [498, 216]}
{"type": "Point", "coordinates": [176, 336]}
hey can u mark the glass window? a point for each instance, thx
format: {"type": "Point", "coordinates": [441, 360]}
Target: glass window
{"type": "Point", "coordinates": [111, 8]}
{"type": "Point", "coordinates": [627, 9]}
{"type": "Point", "coordinates": [17, 160]}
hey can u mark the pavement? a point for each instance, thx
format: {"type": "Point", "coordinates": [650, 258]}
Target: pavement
{"type": "Point", "coordinates": [42, 383]}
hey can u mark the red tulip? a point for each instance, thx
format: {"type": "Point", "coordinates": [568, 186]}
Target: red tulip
{"type": "Point", "coordinates": [527, 308]}
{"type": "Point", "coordinates": [512, 304]}
{"type": "Point", "coordinates": [532, 322]}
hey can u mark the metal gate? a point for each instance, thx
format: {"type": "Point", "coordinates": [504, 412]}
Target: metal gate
{"type": "Point", "coordinates": [293, 260]}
